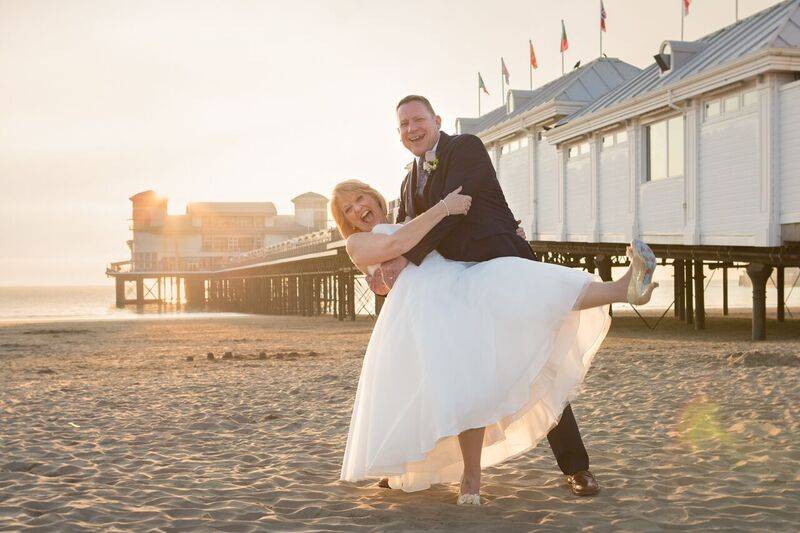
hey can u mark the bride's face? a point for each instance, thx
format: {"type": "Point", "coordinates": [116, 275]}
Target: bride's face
{"type": "Point", "coordinates": [362, 210]}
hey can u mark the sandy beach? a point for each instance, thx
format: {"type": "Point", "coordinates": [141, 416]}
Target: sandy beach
{"type": "Point", "coordinates": [107, 425]}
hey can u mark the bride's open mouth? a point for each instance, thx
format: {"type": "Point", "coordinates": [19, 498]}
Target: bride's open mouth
{"type": "Point", "coordinates": [367, 216]}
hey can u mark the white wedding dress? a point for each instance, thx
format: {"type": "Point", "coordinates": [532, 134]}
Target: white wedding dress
{"type": "Point", "coordinates": [464, 345]}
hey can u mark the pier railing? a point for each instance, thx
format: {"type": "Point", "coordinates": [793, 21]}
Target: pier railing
{"type": "Point", "coordinates": [298, 246]}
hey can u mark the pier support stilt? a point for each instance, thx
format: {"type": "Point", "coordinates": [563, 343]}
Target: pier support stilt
{"type": "Point", "coordinates": [120, 292]}
{"type": "Point", "coordinates": [699, 296]}
{"type": "Point", "coordinates": [195, 293]}
{"type": "Point", "coordinates": [725, 291]}
{"type": "Point", "coordinates": [351, 296]}
{"type": "Point", "coordinates": [780, 286]}
{"type": "Point", "coordinates": [139, 292]}
{"type": "Point", "coordinates": [590, 266]}
{"type": "Point", "coordinates": [680, 309]}
{"type": "Point", "coordinates": [759, 274]}
{"type": "Point", "coordinates": [689, 293]}
{"type": "Point", "coordinates": [340, 292]}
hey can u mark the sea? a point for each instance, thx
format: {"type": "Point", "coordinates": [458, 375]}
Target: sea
{"type": "Point", "coordinates": [68, 303]}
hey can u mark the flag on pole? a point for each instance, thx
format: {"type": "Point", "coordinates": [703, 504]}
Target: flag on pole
{"type": "Point", "coordinates": [505, 69]}
{"type": "Point", "coordinates": [534, 64]}
{"type": "Point", "coordinates": [686, 6]}
{"type": "Point", "coordinates": [564, 40]}
{"type": "Point", "coordinates": [481, 85]}
{"type": "Point", "coordinates": [603, 16]}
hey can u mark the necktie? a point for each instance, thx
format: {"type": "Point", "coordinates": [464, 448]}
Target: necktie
{"type": "Point", "coordinates": [422, 176]}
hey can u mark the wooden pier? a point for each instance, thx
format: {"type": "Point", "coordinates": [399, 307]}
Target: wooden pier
{"type": "Point", "coordinates": [318, 278]}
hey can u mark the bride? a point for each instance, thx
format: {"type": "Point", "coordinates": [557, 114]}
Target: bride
{"type": "Point", "coordinates": [469, 364]}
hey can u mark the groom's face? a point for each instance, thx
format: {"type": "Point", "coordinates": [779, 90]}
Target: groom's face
{"type": "Point", "coordinates": [418, 127]}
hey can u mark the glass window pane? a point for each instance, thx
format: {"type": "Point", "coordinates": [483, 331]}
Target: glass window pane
{"type": "Point", "coordinates": [514, 145]}
{"type": "Point", "coordinates": [523, 142]}
{"type": "Point", "coordinates": [657, 151]}
{"type": "Point", "coordinates": [712, 108]}
{"type": "Point", "coordinates": [608, 140]}
{"type": "Point", "coordinates": [504, 149]}
{"type": "Point", "coordinates": [732, 103]}
{"type": "Point", "coordinates": [584, 148]}
{"type": "Point", "coordinates": [750, 98]}
{"type": "Point", "coordinates": [622, 137]}
{"type": "Point", "coordinates": [675, 150]}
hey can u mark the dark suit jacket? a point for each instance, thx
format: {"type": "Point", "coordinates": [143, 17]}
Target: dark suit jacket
{"type": "Point", "coordinates": [488, 230]}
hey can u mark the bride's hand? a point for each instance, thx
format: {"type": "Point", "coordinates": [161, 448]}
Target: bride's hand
{"type": "Point", "coordinates": [457, 204]}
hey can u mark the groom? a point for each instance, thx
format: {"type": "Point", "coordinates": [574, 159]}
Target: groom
{"type": "Point", "coordinates": [441, 164]}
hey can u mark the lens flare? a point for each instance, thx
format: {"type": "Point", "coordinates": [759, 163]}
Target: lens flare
{"type": "Point", "coordinates": [699, 427]}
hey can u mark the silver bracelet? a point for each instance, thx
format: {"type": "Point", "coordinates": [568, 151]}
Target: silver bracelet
{"type": "Point", "coordinates": [445, 207]}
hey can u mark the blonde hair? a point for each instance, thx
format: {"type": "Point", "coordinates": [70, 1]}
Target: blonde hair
{"type": "Point", "coordinates": [351, 186]}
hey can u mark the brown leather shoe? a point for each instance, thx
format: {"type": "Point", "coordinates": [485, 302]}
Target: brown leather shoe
{"type": "Point", "coordinates": [384, 483]}
{"type": "Point", "coordinates": [583, 483]}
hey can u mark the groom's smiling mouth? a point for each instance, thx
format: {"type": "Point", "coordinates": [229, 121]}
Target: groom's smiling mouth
{"type": "Point", "coordinates": [416, 138]}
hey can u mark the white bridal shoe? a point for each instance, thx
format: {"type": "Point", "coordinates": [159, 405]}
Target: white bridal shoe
{"type": "Point", "coordinates": [643, 264]}
{"type": "Point", "coordinates": [469, 499]}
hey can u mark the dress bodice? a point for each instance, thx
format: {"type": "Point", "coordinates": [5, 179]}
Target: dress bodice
{"type": "Point", "coordinates": [386, 229]}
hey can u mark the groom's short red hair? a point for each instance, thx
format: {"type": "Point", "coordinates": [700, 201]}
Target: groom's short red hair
{"type": "Point", "coordinates": [416, 98]}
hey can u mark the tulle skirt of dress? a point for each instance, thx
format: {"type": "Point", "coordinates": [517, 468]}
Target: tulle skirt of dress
{"type": "Point", "coordinates": [464, 345]}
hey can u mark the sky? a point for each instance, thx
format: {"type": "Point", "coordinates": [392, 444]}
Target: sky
{"type": "Point", "coordinates": [254, 100]}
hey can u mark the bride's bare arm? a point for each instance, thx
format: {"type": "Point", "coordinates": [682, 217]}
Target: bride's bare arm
{"type": "Point", "coordinates": [373, 248]}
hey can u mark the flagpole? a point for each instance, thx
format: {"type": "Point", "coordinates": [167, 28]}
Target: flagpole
{"type": "Point", "coordinates": [737, 10]}
{"type": "Point", "coordinates": [502, 82]}
{"type": "Point", "coordinates": [479, 94]}
{"type": "Point", "coordinates": [601, 30]}
{"type": "Point", "coordinates": [563, 37]}
{"type": "Point", "coordinates": [683, 15]}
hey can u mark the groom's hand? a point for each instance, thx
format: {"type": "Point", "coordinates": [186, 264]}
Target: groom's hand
{"type": "Point", "coordinates": [376, 283]}
{"type": "Point", "coordinates": [520, 231]}
{"type": "Point", "coordinates": [392, 268]}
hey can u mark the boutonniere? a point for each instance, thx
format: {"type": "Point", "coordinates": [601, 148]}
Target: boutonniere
{"type": "Point", "coordinates": [431, 162]}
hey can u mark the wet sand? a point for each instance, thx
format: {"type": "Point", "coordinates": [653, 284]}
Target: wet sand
{"type": "Point", "coordinates": [106, 425]}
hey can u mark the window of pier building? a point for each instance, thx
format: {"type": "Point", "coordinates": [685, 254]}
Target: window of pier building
{"type": "Point", "coordinates": [614, 138]}
{"type": "Point", "coordinates": [513, 145]}
{"type": "Point", "coordinates": [665, 158]}
{"type": "Point", "coordinates": [730, 104]}
{"type": "Point", "coordinates": [578, 150]}
{"type": "Point", "coordinates": [233, 221]}
{"type": "Point", "coordinates": [228, 244]}
{"type": "Point", "coordinates": [749, 98]}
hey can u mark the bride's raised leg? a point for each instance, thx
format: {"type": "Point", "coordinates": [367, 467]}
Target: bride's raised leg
{"type": "Point", "coordinates": [634, 291]}
{"type": "Point", "coordinates": [603, 292]}
{"type": "Point", "coordinates": [471, 443]}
